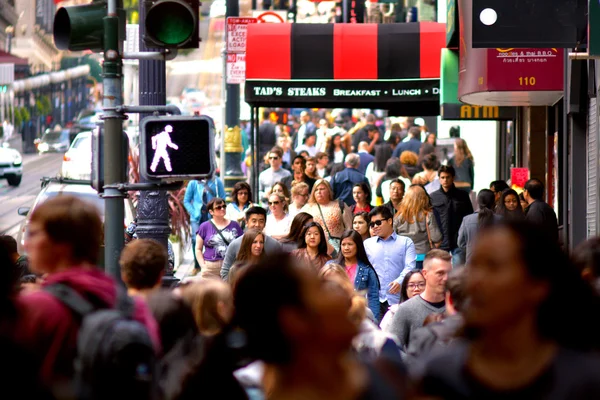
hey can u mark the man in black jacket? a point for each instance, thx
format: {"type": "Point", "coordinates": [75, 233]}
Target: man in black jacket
{"type": "Point", "coordinates": [452, 206]}
{"type": "Point", "coordinates": [538, 211]}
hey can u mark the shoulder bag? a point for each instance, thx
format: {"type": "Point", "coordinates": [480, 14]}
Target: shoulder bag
{"type": "Point", "coordinates": [431, 244]}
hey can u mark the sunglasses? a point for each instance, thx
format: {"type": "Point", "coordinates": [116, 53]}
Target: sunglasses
{"type": "Point", "coordinates": [273, 158]}
{"type": "Point", "coordinates": [242, 193]}
{"type": "Point", "coordinates": [221, 207]}
{"type": "Point", "coordinates": [376, 223]}
{"type": "Point", "coordinates": [273, 203]}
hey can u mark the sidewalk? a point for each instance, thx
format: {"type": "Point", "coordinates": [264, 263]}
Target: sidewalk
{"type": "Point", "coordinates": [186, 267]}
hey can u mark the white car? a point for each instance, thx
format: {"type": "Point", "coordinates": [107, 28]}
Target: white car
{"type": "Point", "coordinates": [11, 165]}
{"type": "Point", "coordinates": [77, 161]}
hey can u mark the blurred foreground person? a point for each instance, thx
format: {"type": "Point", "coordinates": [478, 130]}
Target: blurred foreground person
{"type": "Point", "coordinates": [586, 257]}
{"type": "Point", "coordinates": [211, 304]}
{"type": "Point", "coordinates": [523, 344]}
{"type": "Point", "coordinates": [63, 241]}
{"type": "Point", "coordinates": [300, 328]}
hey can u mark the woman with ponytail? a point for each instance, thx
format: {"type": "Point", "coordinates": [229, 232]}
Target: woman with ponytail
{"type": "Point", "coordinates": [473, 223]}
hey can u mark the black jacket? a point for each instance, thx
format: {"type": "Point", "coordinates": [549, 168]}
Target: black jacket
{"type": "Point", "coordinates": [542, 214]}
{"type": "Point", "coordinates": [452, 207]}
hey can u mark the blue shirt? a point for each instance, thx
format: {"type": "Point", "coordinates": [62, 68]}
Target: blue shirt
{"type": "Point", "coordinates": [343, 182]}
{"type": "Point", "coordinates": [192, 200]}
{"type": "Point", "coordinates": [392, 259]}
{"type": "Point", "coordinates": [413, 145]}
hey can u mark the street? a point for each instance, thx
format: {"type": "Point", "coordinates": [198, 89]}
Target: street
{"type": "Point", "coordinates": [35, 167]}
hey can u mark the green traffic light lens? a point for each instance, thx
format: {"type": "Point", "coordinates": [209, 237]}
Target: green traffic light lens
{"type": "Point", "coordinates": [170, 22]}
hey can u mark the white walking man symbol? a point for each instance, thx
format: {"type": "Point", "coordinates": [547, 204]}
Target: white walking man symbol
{"type": "Point", "coordinates": [160, 142]}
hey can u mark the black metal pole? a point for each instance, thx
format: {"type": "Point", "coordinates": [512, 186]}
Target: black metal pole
{"type": "Point", "coordinates": [233, 139]}
{"type": "Point", "coordinates": [153, 205]}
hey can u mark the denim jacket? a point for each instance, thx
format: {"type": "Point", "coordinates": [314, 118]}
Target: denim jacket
{"type": "Point", "coordinates": [366, 279]}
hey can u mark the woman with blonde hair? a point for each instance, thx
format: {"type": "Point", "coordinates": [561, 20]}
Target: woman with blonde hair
{"type": "Point", "coordinates": [463, 164]}
{"type": "Point", "coordinates": [211, 301]}
{"type": "Point", "coordinates": [417, 221]}
{"type": "Point", "coordinates": [334, 216]}
{"type": "Point", "coordinates": [278, 221]}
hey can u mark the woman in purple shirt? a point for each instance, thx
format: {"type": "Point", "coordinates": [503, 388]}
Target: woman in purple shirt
{"type": "Point", "coordinates": [213, 238]}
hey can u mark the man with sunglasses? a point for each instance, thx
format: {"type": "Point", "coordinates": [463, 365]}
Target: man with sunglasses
{"type": "Point", "coordinates": [391, 255]}
{"type": "Point", "coordinates": [272, 175]}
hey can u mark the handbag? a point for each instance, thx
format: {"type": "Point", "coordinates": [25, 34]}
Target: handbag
{"type": "Point", "coordinates": [219, 231]}
{"type": "Point", "coordinates": [431, 244]}
{"type": "Point", "coordinates": [334, 241]}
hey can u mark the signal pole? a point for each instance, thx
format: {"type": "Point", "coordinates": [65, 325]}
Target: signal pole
{"type": "Point", "coordinates": [153, 206]}
{"type": "Point", "coordinates": [112, 97]}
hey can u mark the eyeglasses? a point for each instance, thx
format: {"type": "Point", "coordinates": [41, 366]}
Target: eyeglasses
{"type": "Point", "coordinates": [273, 158]}
{"type": "Point", "coordinates": [221, 207]}
{"type": "Point", "coordinates": [271, 203]}
{"type": "Point", "coordinates": [242, 193]}
{"type": "Point", "coordinates": [413, 286]}
{"type": "Point", "coordinates": [378, 223]}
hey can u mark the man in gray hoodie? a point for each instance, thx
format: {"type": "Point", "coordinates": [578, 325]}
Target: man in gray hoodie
{"type": "Point", "coordinates": [412, 313]}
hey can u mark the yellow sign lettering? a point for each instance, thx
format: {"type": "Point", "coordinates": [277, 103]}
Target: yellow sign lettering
{"type": "Point", "coordinates": [479, 112]}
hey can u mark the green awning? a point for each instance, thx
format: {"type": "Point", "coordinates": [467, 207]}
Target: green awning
{"type": "Point", "coordinates": [451, 108]}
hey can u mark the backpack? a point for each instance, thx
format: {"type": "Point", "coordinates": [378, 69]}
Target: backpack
{"type": "Point", "coordinates": [115, 355]}
{"type": "Point", "coordinates": [204, 214]}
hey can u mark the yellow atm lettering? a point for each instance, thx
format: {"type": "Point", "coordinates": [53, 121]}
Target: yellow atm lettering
{"type": "Point", "coordinates": [479, 112]}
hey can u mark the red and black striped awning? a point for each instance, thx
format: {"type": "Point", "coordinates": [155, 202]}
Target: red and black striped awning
{"type": "Point", "coordinates": [364, 65]}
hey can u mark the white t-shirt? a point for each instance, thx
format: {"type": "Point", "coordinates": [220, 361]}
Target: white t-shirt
{"type": "Point", "coordinates": [278, 228]}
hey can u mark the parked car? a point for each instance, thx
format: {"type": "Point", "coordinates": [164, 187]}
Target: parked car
{"type": "Point", "coordinates": [56, 140]}
{"type": "Point", "coordinates": [52, 187]}
{"type": "Point", "coordinates": [11, 165]}
{"type": "Point", "coordinates": [77, 161]}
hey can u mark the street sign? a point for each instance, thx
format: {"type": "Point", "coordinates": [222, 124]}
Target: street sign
{"type": "Point", "coordinates": [276, 16]}
{"type": "Point", "coordinates": [176, 148]}
{"type": "Point", "coordinates": [236, 33]}
{"type": "Point", "coordinates": [236, 68]}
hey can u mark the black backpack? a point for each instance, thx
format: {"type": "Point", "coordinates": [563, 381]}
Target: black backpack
{"type": "Point", "coordinates": [115, 355]}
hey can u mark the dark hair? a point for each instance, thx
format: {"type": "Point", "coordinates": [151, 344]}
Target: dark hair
{"type": "Point", "coordinates": [434, 138]}
{"type": "Point", "coordinates": [393, 169]}
{"type": "Point", "coordinates": [365, 188]}
{"type": "Point", "coordinates": [297, 227]}
{"type": "Point", "coordinates": [414, 131]}
{"type": "Point", "coordinates": [587, 256]}
{"type": "Point", "coordinates": [9, 277]}
{"type": "Point", "coordinates": [330, 149]}
{"type": "Point", "coordinates": [430, 161]}
{"type": "Point", "coordinates": [238, 187]}
{"type": "Point", "coordinates": [383, 152]}
{"type": "Point", "coordinates": [404, 286]}
{"type": "Point", "coordinates": [569, 298]}
{"type": "Point", "coordinates": [399, 182]}
{"type": "Point", "coordinates": [69, 220]}
{"type": "Point", "coordinates": [535, 188]}
{"type": "Point", "coordinates": [381, 210]}
{"type": "Point", "coordinates": [498, 186]}
{"type": "Point", "coordinates": [142, 263]}
{"type": "Point", "coordinates": [255, 210]}
{"type": "Point", "coordinates": [449, 169]}
{"type": "Point", "coordinates": [174, 318]}
{"type": "Point", "coordinates": [245, 251]}
{"type": "Point", "coordinates": [501, 207]}
{"type": "Point", "coordinates": [455, 285]}
{"type": "Point", "coordinates": [322, 244]}
{"type": "Point", "coordinates": [261, 293]}
{"type": "Point", "coordinates": [486, 201]}
{"type": "Point", "coordinates": [9, 243]}
{"type": "Point", "coordinates": [365, 216]}
{"type": "Point", "coordinates": [299, 157]}
{"type": "Point", "coordinates": [371, 128]}
{"type": "Point", "coordinates": [215, 201]}
{"type": "Point", "coordinates": [266, 114]}
{"type": "Point", "coordinates": [361, 253]}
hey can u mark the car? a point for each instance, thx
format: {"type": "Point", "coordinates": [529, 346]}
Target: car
{"type": "Point", "coordinates": [52, 187]}
{"type": "Point", "coordinates": [56, 140]}
{"type": "Point", "coordinates": [11, 165]}
{"type": "Point", "coordinates": [77, 161]}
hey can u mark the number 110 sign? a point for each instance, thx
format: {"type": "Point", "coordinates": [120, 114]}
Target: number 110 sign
{"type": "Point", "coordinates": [176, 148]}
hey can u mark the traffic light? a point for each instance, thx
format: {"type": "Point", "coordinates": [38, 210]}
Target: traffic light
{"type": "Point", "coordinates": [172, 24]}
{"type": "Point", "coordinates": [177, 148]}
{"type": "Point", "coordinates": [97, 175]}
{"type": "Point", "coordinates": [78, 28]}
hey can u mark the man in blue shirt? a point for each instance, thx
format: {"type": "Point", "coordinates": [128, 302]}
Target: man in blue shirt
{"type": "Point", "coordinates": [343, 182]}
{"type": "Point", "coordinates": [391, 255]}
{"type": "Point", "coordinates": [197, 195]}
{"type": "Point", "coordinates": [413, 144]}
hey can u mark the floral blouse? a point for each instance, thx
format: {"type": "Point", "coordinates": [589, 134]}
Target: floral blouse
{"type": "Point", "coordinates": [336, 221]}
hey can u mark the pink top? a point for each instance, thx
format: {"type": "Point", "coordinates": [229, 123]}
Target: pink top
{"type": "Point", "coordinates": [351, 271]}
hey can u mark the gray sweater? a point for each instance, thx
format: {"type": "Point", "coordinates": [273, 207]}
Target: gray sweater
{"type": "Point", "coordinates": [410, 316]}
{"type": "Point", "coordinates": [271, 246]}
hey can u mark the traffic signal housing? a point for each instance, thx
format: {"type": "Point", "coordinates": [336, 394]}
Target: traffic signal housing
{"type": "Point", "coordinates": [177, 148]}
{"type": "Point", "coordinates": [172, 24]}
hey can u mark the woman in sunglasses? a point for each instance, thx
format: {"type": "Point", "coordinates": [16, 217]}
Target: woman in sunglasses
{"type": "Point", "coordinates": [213, 238]}
{"type": "Point", "coordinates": [278, 221]}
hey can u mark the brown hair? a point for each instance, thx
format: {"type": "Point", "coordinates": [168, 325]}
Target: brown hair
{"type": "Point", "coordinates": [142, 263]}
{"type": "Point", "coordinates": [415, 205]}
{"type": "Point", "coordinates": [69, 220]}
{"type": "Point", "coordinates": [462, 152]}
{"type": "Point", "coordinates": [204, 297]}
{"type": "Point", "coordinates": [245, 251]}
{"type": "Point", "coordinates": [215, 201]}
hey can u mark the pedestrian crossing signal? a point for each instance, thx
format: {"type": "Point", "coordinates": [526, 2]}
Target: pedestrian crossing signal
{"type": "Point", "coordinates": [177, 148]}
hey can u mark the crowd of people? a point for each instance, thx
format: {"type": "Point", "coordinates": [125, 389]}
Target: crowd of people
{"type": "Point", "coordinates": [360, 283]}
